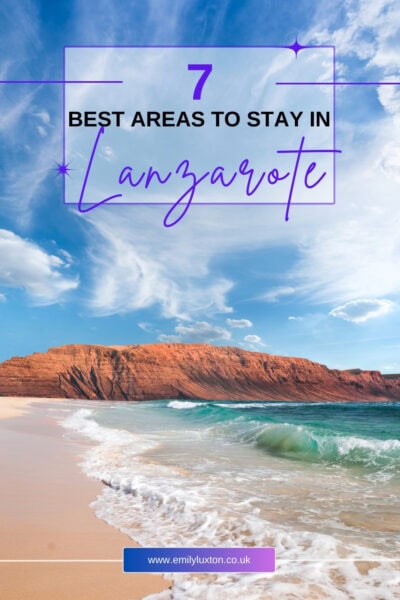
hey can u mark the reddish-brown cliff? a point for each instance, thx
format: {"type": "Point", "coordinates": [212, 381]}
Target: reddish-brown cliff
{"type": "Point", "coordinates": [156, 371]}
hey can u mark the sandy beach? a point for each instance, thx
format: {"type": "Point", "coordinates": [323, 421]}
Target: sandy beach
{"type": "Point", "coordinates": [46, 517]}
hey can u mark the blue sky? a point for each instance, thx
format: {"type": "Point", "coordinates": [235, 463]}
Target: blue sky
{"type": "Point", "coordinates": [325, 286]}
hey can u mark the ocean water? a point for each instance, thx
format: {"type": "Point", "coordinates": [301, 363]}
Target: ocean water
{"type": "Point", "coordinates": [319, 482]}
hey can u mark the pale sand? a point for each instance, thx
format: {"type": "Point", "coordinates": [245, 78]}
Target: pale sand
{"type": "Point", "coordinates": [13, 407]}
{"type": "Point", "coordinates": [45, 514]}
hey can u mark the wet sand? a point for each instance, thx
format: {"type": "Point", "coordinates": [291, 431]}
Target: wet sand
{"type": "Point", "coordinates": [45, 516]}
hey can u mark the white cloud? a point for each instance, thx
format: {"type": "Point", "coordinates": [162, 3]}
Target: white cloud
{"type": "Point", "coordinates": [239, 323]}
{"type": "Point", "coordinates": [389, 160]}
{"type": "Point", "coordinates": [389, 97]}
{"type": "Point", "coordinates": [291, 318]}
{"type": "Point", "coordinates": [108, 153]}
{"type": "Point", "coordinates": [26, 266]}
{"type": "Point", "coordinates": [391, 368]}
{"type": "Point", "coordinates": [41, 131]}
{"type": "Point", "coordinates": [44, 116]}
{"type": "Point", "coordinates": [3, 298]}
{"type": "Point", "coordinates": [68, 260]}
{"type": "Point", "coordinates": [276, 293]}
{"type": "Point", "coordinates": [202, 331]}
{"type": "Point", "coordinates": [359, 311]}
{"type": "Point", "coordinates": [253, 339]}
{"type": "Point", "coordinates": [368, 31]}
{"type": "Point", "coordinates": [252, 342]}
{"type": "Point", "coordinates": [147, 327]}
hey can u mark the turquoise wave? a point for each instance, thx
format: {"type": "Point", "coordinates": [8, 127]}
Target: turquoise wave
{"type": "Point", "coordinates": [365, 435]}
{"type": "Point", "coordinates": [302, 443]}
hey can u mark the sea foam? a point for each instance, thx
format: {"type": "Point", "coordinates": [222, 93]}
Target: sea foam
{"type": "Point", "coordinates": [173, 505]}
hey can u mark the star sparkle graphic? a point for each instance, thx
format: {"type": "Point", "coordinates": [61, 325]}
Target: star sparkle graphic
{"type": "Point", "coordinates": [62, 169]}
{"type": "Point", "coordinates": [296, 47]}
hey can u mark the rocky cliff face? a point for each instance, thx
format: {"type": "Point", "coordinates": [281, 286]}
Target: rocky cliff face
{"type": "Point", "coordinates": [160, 371]}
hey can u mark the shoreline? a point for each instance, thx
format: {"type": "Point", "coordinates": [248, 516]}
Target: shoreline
{"type": "Point", "coordinates": [46, 516]}
{"type": "Point", "coordinates": [15, 406]}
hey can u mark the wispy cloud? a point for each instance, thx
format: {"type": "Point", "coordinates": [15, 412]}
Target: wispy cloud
{"type": "Point", "coordinates": [129, 272]}
{"type": "Point", "coordinates": [275, 294]}
{"type": "Point", "coordinates": [44, 116]}
{"type": "Point", "coordinates": [23, 186]}
{"type": "Point", "coordinates": [150, 23]}
{"type": "Point", "coordinates": [19, 42]}
{"type": "Point", "coordinates": [147, 327]}
{"type": "Point", "coordinates": [32, 144]}
{"type": "Point", "coordinates": [14, 110]}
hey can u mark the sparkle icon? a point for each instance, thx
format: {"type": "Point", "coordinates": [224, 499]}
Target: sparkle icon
{"type": "Point", "coordinates": [296, 47]}
{"type": "Point", "coordinates": [62, 169]}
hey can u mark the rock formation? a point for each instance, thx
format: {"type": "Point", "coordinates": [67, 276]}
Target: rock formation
{"type": "Point", "coordinates": [160, 371]}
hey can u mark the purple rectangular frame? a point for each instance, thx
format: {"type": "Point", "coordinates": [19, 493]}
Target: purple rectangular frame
{"type": "Point", "coordinates": [295, 48]}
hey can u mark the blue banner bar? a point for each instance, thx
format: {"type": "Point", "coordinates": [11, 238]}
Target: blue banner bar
{"type": "Point", "coordinates": [203, 560]}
